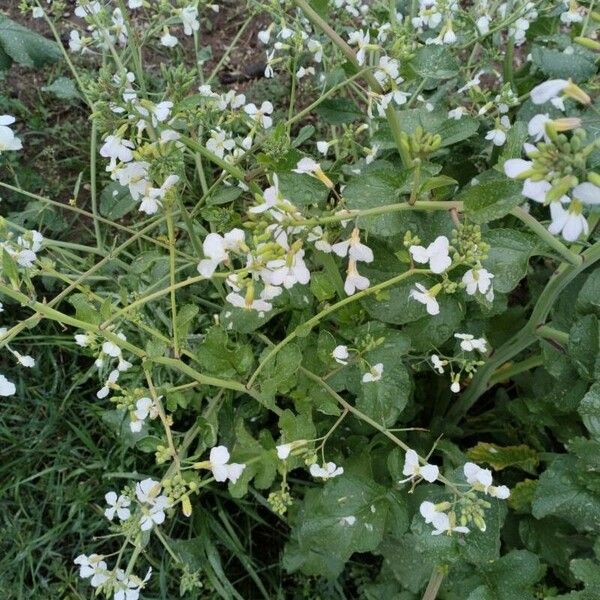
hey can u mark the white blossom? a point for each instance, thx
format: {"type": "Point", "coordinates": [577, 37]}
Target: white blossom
{"type": "Point", "coordinates": [340, 354]}
{"type": "Point", "coordinates": [117, 505]}
{"type": "Point", "coordinates": [470, 342]}
{"type": "Point", "coordinates": [220, 466]}
{"type": "Point", "coordinates": [413, 470]}
{"type": "Point", "coordinates": [374, 374]}
{"type": "Point", "coordinates": [327, 471]}
{"type": "Point", "coordinates": [436, 254]}
{"type": "Point", "coordinates": [8, 140]}
{"type": "Point", "coordinates": [7, 388]}
{"type": "Point", "coordinates": [423, 295]}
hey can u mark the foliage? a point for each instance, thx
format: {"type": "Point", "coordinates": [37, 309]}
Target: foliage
{"type": "Point", "coordinates": [325, 327]}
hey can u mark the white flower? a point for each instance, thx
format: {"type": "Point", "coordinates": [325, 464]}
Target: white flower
{"type": "Point", "coordinates": [340, 354]}
{"type": "Point", "coordinates": [111, 349]}
{"type": "Point", "coordinates": [87, 8]}
{"type": "Point", "coordinates": [167, 39]}
{"type": "Point", "coordinates": [570, 222]}
{"type": "Point", "coordinates": [117, 505]}
{"type": "Point", "coordinates": [308, 166]}
{"type": "Point", "coordinates": [248, 304]}
{"type": "Point", "coordinates": [517, 168]}
{"type": "Point", "coordinates": [323, 147]}
{"type": "Point", "coordinates": [260, 115]}
{"type": "Point", "coordinates": [440, 520]}
{"type": "Point", "coordinates": [287, 272]}
{"type": "Point", "coordinates": [413, 470]}
{"type": "Point", "coordinates": [353, 248]}
{"type": "Point", "coordinates": [480, 479]}
{"type": "Point", "coordinates": [283, 451]}
{"type": "Point", "coordinates": [7, 388]}
{"type": "Point", "coordinates": [93, 566]}
{"type": "Point", "coordinates": [436, 254]}
{"type": "Point", "coordinates": [470, 343]}
{"type": "Point", "coordinates": [354, 280]}
{"type": "Point", "coordinates": [221, 469]}
{"type": "Point", "coordinates": [501, 492]}
{"type": "Point", "coordinates": [152, 198]}
{"type": "Point", "coordinates": [498, 135]}
{"type": "Point", "coordinates": [327, 471]}
{"type": "Point", "coordinates": [477, 280]}
{"type": "Point", "coordinates": [145, 407]}
{"type": "Point", "coordinates": [374, 374]}
{"type": "Point", "coordinates": [75, 41]}
{"type": "Point", "coordinates": [117, 148]}
{"type": "Point", "coordinates": [154, 514]}
{"type": "Point", "coordinates": [438, 364]}
{"type": "Point", "coordinates": [587, 192]}
{"type": "Point", "coordinates": [272, 196]}
{"type": "Point", "coordinates": [387, 68]}
{"type": "Point", "coordinates": [25, 360]}
{"type": "Point", "coordinates": [423, 295]}
{"type": "Point", "coordinates": [457, 113]}
{"type": "Point", "coordinates": [216, 253]}
{"type": "Point", "coordinates": [83, 339]}
{"type": "Point", "coordinates": [544, 92]}
{"type": "Point", "coordinates": [316, 49]}
{"type": "Point", "coordinates": [362, 41]}
{"type": "Point", "coordinates": [8, 140]}
{"type": "Point", "coordinates": [537, 127]}
{"type": "Point", "coordinates": [147, 490]}
{"type": "Point", "coordinates": [189, 18]}
{"type": "Point", "coordinates": [455, 386]}
{"type": "Point", "coordinates": [219, 142]}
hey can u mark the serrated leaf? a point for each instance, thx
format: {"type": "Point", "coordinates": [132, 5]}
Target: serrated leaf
{"type": "Point", "coordinates": [302, 189]}
{"type": "Point", "coordinates": [501, 457]}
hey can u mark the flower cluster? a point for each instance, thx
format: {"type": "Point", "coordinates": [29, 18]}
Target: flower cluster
{"type": "Point", "coordinates": [557, 174]}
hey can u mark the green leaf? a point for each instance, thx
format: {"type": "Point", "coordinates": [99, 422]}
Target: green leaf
{"type": "Point", "coordinates": [9, 267]}
{"type": "Point", "coordinates": [63, 88]}
{"type": "Point", "coordinates": [183, 322]}
{"type": "Point", "coordinates": [453, 131]}
{"type": "Point", "coordinates": [218, 355]}
{"type": "Point", "coordinates": [501, 457]}
{"type": "Point", "coordinates": [509, 256]}
{"type": "Point", "coordinates": [578, 66]}
{"type": "Point", "coordinates": [116, 201]}
{"type": "Point", "coordinates": [85, 310]}
{"type": "Point", "coordinates": [583, 345]}
{"type": "Point", "coordinates": [302, 189]}
{"type": "Point", "coordinates": [344, 516]}
{"type": "Point", "coordinates": [589, 409]}
{"type": "Point", "coordinates": [435, 62]}
{"type": "Point", "coordinates": [560, 494]}
{"type": "Point", "coordinates": [385, 399]}
{"type": "Point", "coordinates": [26, 47]}
{"type": "Point", "coordinates": [337, 111]}
{"type": "Point", "coordinates": [491, 200]}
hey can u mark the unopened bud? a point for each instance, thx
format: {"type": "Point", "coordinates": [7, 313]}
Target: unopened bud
{"type": "Point", "coordinates": [588, 43]}
{"type": "Point", "coordinates": [574, 91]}
{"type": "Point", "coordinates": [186, 506]}
{"type": "Point", "coordinates": [594, 178]}
{"type": "Point", "coordinates": [566, 123]}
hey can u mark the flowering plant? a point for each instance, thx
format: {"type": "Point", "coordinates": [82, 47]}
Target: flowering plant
{"type": "Point", "coordinates": [353, 301]}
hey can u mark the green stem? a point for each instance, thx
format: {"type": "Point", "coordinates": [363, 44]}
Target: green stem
{"type": "Point", "coordinates": [171, 232]}
{"type": "Point", "coordinates": [308, 325]}
{"type": "Point", "coordinates": [54, 315]}
{"type": "Point", "coordinates": [525, 337]}
{"type": "Point", "coordinates": [433, 587]}
{"type": "Point", "coordinates": [424, 205]}
{"type": "Point", "coordinates": [547, 332]}
{"type": "Point", "coordinates": [390, 113]}
{"type": "Point", "coordinates": [94, 184]}
{"type": "Point", "coordinates": [505, 373]}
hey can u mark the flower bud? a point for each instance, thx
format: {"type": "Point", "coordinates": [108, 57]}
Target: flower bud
{"type": "Point", "coordinates": [574, 91]}
{"type": "Point", "coordinates": [588, 43]}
